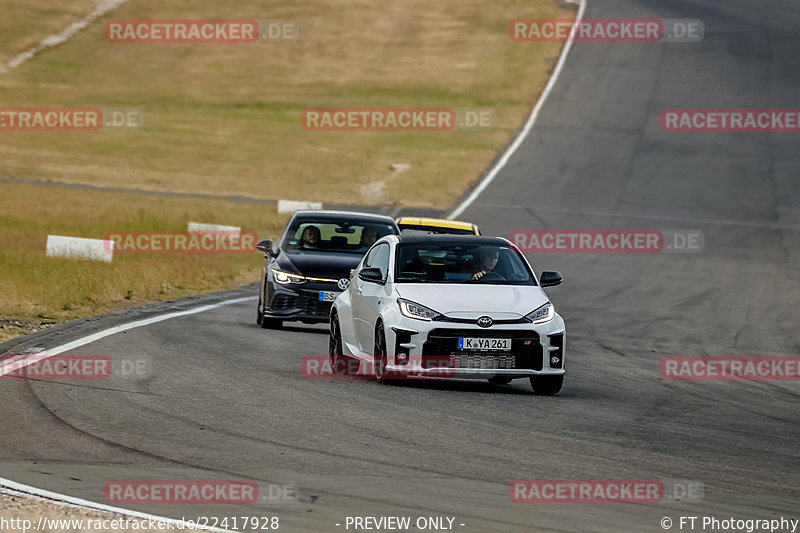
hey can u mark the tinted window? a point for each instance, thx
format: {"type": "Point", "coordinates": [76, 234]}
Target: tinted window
{"type": "Point", "coordinates": [379, 258]}
{"type": "Point", "coordinates": [459, 262]}
{"type": "Point", "coordinates": [324, 234]}
{"type": "Point", "coordinates": [369, 257]}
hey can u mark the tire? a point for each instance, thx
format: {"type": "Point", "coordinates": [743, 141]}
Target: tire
{"type": "Point", "coordinates": [547, 385]}
{"type": "Point", "coordinates": [259, 314]}
{"type": "Point", "coordinates": [380, 358]}
{"type": "Point", "coordinates": [339, 361]}
{"type": "Point", "coordinates": [499, 380]}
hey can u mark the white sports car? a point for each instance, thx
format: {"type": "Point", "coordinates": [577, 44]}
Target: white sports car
{"type": "Point", "coordinates": [458, 306]}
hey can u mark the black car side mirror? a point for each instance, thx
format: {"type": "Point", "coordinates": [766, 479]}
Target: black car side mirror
{"type": "Point", "coordinates": [372, 275]}
{"type": "Point", "coordinates": [266, 247]}
{"type": "Point", "coordinates": [550, 279]}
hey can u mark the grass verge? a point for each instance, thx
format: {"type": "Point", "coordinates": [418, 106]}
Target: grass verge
{"type": "Point", "coordinates": [225, 118]}
{"type": "Point", "coordinates": [36, 290]}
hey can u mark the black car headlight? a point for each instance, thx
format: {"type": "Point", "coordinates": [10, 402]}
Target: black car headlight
{"type": "Point", "coordinates": [286, 277]}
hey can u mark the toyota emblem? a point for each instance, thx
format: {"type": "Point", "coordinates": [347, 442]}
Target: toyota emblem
{"type": "Point", "coordinates": [343, 283]}
{"type": "Point", "coordinates": [485, 321]}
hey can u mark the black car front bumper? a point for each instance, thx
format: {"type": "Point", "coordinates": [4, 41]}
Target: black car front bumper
{"type": "Point", "coordinates": [299, 302]}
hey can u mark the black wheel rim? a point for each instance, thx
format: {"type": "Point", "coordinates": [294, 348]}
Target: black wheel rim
{"type": "Point", "coordinates": [380, 355]}
{"type": "Point", "coordinates": [333, 343]}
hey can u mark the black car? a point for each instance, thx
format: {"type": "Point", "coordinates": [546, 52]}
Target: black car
{"type": "Point", "coordinates": [311, 265]}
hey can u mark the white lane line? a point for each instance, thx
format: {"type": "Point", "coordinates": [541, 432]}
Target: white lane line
{"type": "Point", "coordinates": [18, 489]}
{"type": "Point", "coordinates": [27, 489]}
{"type": "Point", "coordinates": [103, 7]}
{"type": "Point", "coordinates": [111, 331]}
{"type": "Point", "coordinates": [528, 125]}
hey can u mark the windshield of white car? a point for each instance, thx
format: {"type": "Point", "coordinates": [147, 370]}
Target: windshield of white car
{"type": "Point", "coordinates": [458, 262]}
{"type": "Point", "coordinates": [321, 235]}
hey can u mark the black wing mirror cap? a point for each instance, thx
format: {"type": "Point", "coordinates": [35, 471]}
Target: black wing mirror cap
{"type": "Point", "coordinates": [372, 275]}
{"type": "Point", "coordinates": [266, 247]}
{"type": "Point", "coordinates": [550, 279]}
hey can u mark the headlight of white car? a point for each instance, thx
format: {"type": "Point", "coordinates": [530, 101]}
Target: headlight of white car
{"type": "Point", "coordinates": [415, 310]}
{"type": "Point", "coordinates": [543, 314]}
{"type": "Point", "coordinates": [285, 277]}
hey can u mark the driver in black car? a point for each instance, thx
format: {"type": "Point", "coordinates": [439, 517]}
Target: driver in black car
{"type": "Point", "coordinates": [485, 262]}
{"type": "Point", "coordinates": [311, 237]}
{"type": "Point", "coordinates": [368, 237]}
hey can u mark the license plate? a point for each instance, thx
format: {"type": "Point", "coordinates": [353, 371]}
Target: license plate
{"type": "Point", "coordinates": [327, 296]}
{"type": "Point", "coordinates": [480, 343]}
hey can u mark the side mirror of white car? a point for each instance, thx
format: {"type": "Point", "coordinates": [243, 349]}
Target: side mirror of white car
{"type": "Point", "coordinates": [372, 275]}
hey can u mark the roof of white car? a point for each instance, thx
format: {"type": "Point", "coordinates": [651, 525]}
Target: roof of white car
{"type": "Point", "coordinates": [471, 239]}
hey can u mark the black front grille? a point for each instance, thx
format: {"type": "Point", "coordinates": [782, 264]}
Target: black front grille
{"type": "Point", "coordinates": [307, 303]}
{"type": "Point", "coordinates": [442, 344]}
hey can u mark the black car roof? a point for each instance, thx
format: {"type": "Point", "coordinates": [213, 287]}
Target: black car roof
{"type": "Point", "coordinates": [450, 237]}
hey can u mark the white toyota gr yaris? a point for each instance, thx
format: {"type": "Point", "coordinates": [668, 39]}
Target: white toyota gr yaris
{"type": "Point", "coordinates": [457, 306]}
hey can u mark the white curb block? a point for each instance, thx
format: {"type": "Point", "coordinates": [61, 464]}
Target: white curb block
{"type": "Point", "coordinates": [80, 248]}
{"type": "Point", "coordinates": [290, 206]}
{"type": "Point", "coordinates": [199, 227]}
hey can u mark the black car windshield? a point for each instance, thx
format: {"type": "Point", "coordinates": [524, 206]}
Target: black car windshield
{"type": "Point", "coordinates": [326, 235]}
{"type": "Point", "coordinates": [459, 262]}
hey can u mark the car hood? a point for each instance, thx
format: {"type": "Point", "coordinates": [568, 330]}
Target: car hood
{"type": "Point", "coordinates": [319, 265]}
{"type": "Point", "coordinates": [458, 300]}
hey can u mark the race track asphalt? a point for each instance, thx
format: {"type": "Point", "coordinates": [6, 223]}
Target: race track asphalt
{"type": "Point", "coordinates": [225, 399]}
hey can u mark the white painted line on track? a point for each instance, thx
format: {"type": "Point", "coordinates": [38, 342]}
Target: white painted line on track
{"type": "Point", "coordinates": [117, 329]}
{"type": "Point", "coordinates": [18, 489]}
{"type": "Point", "coordinates": [22, 489]}
{"type": "Point", "coordinates": [528, 125]}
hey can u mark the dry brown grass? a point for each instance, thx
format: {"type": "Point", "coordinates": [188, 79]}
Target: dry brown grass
{"type": "Point", "coordinates": [40, 289]}
{"type": "Point", "coordinates": [24, 23]}
{"type": "Point", "coordinates": [225, 118]}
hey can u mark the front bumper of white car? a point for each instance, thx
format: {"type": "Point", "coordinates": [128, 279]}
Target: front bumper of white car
{"type": "Point", "coordinates": [420, 348]}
